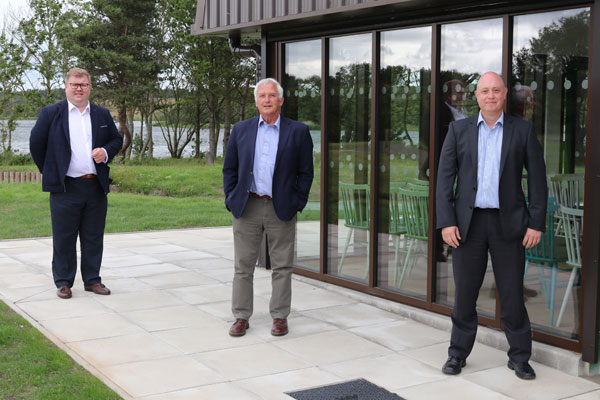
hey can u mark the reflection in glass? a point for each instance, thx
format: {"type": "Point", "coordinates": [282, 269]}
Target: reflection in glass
{"type": "Point", "coordinates": [349, 138]}
{"type": "Point", "coordinates": [549, 80]}
{"type": "Point", "coordinates": [302, 86]}
{"type": "Point", "coordinates": [403, 144]}
{"type": "Point", "coordinates": [468, 50]}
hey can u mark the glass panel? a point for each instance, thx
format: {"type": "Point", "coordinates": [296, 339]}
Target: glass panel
{"type": "Point", "coordinates": [302, 83]}
{"type": "Point", "coordinates": [549, 87]}
{"type": "Point", "coordinates": [349, 143]}
{"type": "Point", "coordinates": [404, 160]}
{"type": "Point", "coordinates": [468, 50]}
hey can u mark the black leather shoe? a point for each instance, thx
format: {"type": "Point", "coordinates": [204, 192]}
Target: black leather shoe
{"type": "Point", "coordinates": [453, 366]}
{"type": "Point", "coordinates": [522, 369]}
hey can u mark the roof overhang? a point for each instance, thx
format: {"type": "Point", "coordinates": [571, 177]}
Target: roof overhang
{"type": "Point", "coordinates": [248, 18]}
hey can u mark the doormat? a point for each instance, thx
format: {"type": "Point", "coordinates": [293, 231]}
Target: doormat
{"type": "Point", "coordinates": [358, 389]}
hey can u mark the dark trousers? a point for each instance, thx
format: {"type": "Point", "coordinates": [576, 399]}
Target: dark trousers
{"type": "Point", "coordinates": [81, 210]}
{"type": "Point", "coordinates": [469, 265]}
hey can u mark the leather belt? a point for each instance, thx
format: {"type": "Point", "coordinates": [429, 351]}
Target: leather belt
{"type": "Point", "coordinates": [87, 176]}
{"type": "Point", "coordinates": [258, 196]}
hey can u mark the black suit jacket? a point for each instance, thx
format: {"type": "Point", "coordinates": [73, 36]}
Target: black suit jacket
{"type": "Point", "coordinates": [50, 144]}
{"type": "Point", "coordinates": [292, 176]}
{"type": "Point", "coordinates": [458, 160]}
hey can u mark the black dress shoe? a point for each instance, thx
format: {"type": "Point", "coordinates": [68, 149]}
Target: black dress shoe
{"type": "Point", "coordinates": [522, 369]}
{"type": "Point", "coordinates": [453, 366]}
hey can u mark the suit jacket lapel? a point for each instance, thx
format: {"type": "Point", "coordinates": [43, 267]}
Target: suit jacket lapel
{"type": "Point", "coordinates": [93, 119]}
{"type": "Point", "coordinates": [284, 135]}
{"type": "Point", "coordinates": [507, 133]}
{"type": "Point", "coordinates": [252, 137]}
{"type": "Point", "coordinates": [473, 144]}
{"type": "Point", "coordinates": [64, 114]}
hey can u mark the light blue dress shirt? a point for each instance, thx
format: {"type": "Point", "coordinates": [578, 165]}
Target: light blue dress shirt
{"type": "Point", "coordinates": [489, 147]}
{"type": "Point", "coordinates": [265, 153]}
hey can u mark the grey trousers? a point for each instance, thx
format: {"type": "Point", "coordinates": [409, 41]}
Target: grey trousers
{"type": "Point", "coordinates": [258, 217]}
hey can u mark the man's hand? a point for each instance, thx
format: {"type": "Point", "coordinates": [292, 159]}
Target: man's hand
{"type": "Point", "coordinates": [532, 238]}
{"type": "Point", "coordinates": [451, 235]}
{"type": "Point", "coordinates": [99, 155]}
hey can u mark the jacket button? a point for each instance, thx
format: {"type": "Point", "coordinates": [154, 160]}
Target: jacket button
{"type": "Point", "coordinates": [470, 207]}
{"type": "Point", "coordinates": [474, 187]}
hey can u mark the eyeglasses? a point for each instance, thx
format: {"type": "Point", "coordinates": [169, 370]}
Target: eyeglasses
{"type": "Point", "coordinates": [79, 85]}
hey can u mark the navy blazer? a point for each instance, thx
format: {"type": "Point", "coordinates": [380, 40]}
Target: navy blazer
{"type": "Point", "coordinates": [292, 176]}
{"type": "Point", "coordinates": [520, 149]}
{"type": "Point", "coordinates": [50, 144]}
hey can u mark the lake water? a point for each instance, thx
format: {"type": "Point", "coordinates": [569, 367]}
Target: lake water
{"type": "Point", "coordinates": [20, 140]}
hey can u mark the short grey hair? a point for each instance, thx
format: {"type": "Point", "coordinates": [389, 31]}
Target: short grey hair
{"type": "Point", "coordinates": [267, 80]}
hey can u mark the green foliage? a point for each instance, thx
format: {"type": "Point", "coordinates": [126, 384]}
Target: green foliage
{"type": "Point", "coordinates": [33, 368]}
{"type": "Point", "coordinates": [10, 158]}
{"type": "Point", "coordinates": [38, 36]}
{"type": "Point", "coordinates": [13, 65]}
{"type": "Point", "coordinates": [173, 178]}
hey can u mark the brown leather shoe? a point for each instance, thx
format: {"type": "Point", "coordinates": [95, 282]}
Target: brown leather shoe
{"type": "Point", "coordinates": [98, 288]}
{"type": "Point", "coordinates": [280, 327]}
{"type": "Point", "coordinates": [64, 292]}
{"type": "Point", "coordinates": [239, 327]}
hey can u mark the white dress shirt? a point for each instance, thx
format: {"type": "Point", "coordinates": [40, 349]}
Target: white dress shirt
{"type": "Point", "coordinates": [80, 134]}
{"type": "Point", "coordinates": [265, 153]}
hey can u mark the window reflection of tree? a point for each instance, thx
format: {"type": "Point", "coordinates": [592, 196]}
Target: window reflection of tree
{"type": "Point", "coordinates": [303, 100]}
{"type": "Point", "coordinates": [554, 67]}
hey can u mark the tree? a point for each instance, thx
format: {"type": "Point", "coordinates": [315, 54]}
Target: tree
{"type": "Point", "coordinates": [38, 36]}
{"type": "Point", "coordinates": [13, 64]}
{"type": "Point", "coordinates": [115, 41]}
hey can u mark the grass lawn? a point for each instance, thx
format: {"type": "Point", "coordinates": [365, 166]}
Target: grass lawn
{"type": "Point", "coordinates": [28, 210]}
{"type": "Point", "coordinates": [159, 194]}
{"type": "Point", "coordinates": [31, 367]}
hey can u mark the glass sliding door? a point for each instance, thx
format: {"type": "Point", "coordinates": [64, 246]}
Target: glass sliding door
{"type": "Point", "coordinates": [302, 85]}
{"type": "Point", "coordinates": [468, 50]}
{"type": "Point", "coordinates": [549, 86]}
{"type": "Point", "coordinates": [404, 93]}
{"type": "Point", "coordinates": [349, 144]}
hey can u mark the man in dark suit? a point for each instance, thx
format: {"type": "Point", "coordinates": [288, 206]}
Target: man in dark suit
{"type": "Point", "coordinates": [71, 144]}
{"type": "Point", "coordinates": [267, 174]}
{"type": "Point", "coordinates": [487, 211]}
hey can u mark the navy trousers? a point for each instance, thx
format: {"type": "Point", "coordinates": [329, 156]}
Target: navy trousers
{"type": "Point", "coordinates": [469, 261]}
{"type": "Point", "coordinates": [79, 211]}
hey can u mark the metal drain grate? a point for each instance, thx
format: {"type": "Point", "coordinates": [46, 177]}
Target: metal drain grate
{"type": "Point", "coordinates": [358, 389]}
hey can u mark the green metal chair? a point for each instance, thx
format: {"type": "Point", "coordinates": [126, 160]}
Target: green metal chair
{"type": "Point", "coordinates": [415, 205]}
{"type": "Point", "coordinates": [397, 225]}
{"type": "Point", "coordinates": [355, 203]}
{"type": "Point", "coordinates": [568, 190]}
{"type": "Point", "coordinates": [572, 220]}
{"type": "Point", "coordinates": [545, 253]}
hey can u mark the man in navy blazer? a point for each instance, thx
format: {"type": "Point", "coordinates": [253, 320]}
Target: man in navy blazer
{"type": "Point", "coordinates": [487, 211]}
{"type": "Point", "coordinates": [267, 174]}
{"type": "Point", "coordinates": [71, 144]}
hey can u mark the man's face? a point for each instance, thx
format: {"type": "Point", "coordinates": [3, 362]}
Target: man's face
{"type": "Point", "coordinates": [491, 94]}
{"type": "Point", "coordinates": [268, 102]}
{"type": "Point", "coordinates": [456, 95]}
{"type": "Point", "coordinates": [77, 90]}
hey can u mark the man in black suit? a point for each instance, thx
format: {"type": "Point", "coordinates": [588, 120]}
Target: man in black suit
{"type": "Point", "coordinates": [267, 174]}
{"type": "Point", "coordinates": [487, 211]}
{"type": "Point", "coordinates": [71, 144]}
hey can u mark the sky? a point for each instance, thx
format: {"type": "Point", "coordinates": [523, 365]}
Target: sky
{"type": "Point", "coordinates": [8, 7]}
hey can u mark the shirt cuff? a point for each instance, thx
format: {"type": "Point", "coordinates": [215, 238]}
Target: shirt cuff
{"type": "Point", "coordinates": [105, 155]}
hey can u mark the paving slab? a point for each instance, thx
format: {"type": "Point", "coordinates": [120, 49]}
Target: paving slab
{"type": "Point", "coordinates": [163, 332]}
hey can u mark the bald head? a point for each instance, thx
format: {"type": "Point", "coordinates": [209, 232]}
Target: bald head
{"type": "Point", "coordinates": [491, 95]}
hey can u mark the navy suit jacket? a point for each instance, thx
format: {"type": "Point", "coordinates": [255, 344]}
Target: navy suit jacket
{"type": "Point", "coordinates": [520, 149]}
{"type": "Point", "coordinates": [292, 176]}
{"type": "Point", "coordinates": [50, 144]}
